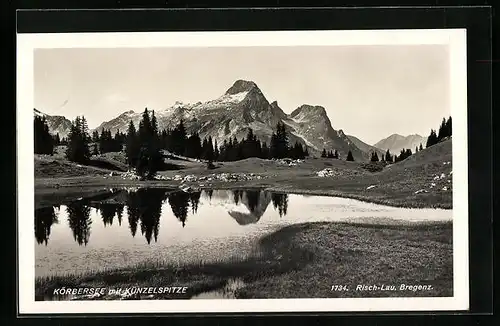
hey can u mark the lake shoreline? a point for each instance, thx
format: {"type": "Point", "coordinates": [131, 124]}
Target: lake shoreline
{"type": "Point", "coordinates": [50, 191]}
{"type": "Point", "coordinates": [301, 261]}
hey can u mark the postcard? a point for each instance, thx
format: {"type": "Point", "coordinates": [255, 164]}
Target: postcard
{"type": "Point", "coordinates": [279, 171]}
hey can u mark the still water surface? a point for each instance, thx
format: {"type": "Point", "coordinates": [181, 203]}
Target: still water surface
{"type": "Point", "coordinates": [128, 227]}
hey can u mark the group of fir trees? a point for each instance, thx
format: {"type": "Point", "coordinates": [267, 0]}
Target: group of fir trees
{"type": "Point", "coordinates": [44, 141]}
{"type": "Point", "coordinates": [405, 153]}
{"type": "Point", "coordinates": [389, 158]}
{"type": "Point", "coordinates": [443, 132]}
{"type": "Point", "coordinates": [106, 142]}
{"type": "Point", "coordinates": [78, 141]}
{"type": "Point", "coordinates": [179, 142]}
{"type": "Point", "coordinates": [335, 154]}
{"type": "Point", "coordinates": [374, 157]}
{"type": "Point", "coordinates": [143, 148]}
{"type": "Point", "coordinates": [330, 154]}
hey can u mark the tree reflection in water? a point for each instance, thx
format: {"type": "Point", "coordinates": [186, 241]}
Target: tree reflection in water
{"type": "Point", "coordinates": [44, 218]}
{"type": "Point", "coordinates": [280, 202]}
{"type": "Point", "coordinates": [79, 221]}
{"type": "Point", "coordinates": [144, 209]}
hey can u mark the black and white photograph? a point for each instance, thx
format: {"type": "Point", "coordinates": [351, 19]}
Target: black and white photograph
{"type": "Point", "coordinates": [182, 171]}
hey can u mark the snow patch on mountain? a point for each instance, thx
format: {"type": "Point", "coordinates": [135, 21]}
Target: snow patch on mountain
{"type": "Point", "coordinates": [234, 98]}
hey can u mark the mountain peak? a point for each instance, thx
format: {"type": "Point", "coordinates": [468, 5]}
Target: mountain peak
{"type": "Point", "coordinates": [240, 86]}
{"type": "Point", "coordinates": [397, 142]}
{"type": "Point", "coordinates": [306, 109]}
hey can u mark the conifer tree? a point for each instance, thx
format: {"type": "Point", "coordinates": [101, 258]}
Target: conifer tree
{"type": "Point", "coordinates": [216, 151]}
{"type": "Point", "coordinates": [324, 154]}
{"type": "Point", "coordinates": [143, 149]}
{"type": "Point", "coordinates": [43, 140]}
{"type": "Point", "coordinates": [349, 156]}
{"type": "Point", "coordinates": [448, 127]}
{"type": "Point", "coordinates": [57, 140]}
{"type": "Point", "coordinates": [194, 148]}
{"type": "Point", "coordinates": [420, 147]}
{"type": "Point", "coordinates": [118, 142]}
{"type": "Point", "coordinates": [432, 139]}
{"type": "Point", "coordinates": [442, 132]}
{"type": "Point", "coordinates": [279, 142]}
{"type": "Point", "coordinates": [264, 151]}
{"type": "Point", "coordinates": [78, 141]}
{"type": "Point", "coordinates": [210, 149]}
{"type": "Point", "coordinates": [388, 157]}
{"type": "Point", "coordinates": [297, 151]}
{"type": "Point", "coordinates": [132, 147]}
{"type": "Point", "coordinates": [95, 136]}
{"type": "Point", "coordinates": [179, 138]}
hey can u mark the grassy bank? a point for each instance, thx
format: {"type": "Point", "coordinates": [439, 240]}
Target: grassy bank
{"type": "Point", "coordinates": [409, 183]}
{"type": "Point", "coordinates": [352, 255]}
{"type": "Point", "coordinates": [303, 261]}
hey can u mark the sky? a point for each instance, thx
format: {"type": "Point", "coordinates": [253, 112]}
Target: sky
{"type": "Point", "coordinates": [370, 92]}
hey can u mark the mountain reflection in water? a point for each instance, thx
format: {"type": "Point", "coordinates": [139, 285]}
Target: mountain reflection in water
{"type": "Point", "coordinates": [125, 227]}
{"type": "Point", "coordinates": [144, 206]}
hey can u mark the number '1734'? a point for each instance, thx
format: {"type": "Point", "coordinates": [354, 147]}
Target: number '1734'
{"type": "Point", "coordinates": [339, 288]}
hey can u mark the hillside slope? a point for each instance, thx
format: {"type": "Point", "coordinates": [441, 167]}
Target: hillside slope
{"type": "Point", "coordinates": [365, 147]}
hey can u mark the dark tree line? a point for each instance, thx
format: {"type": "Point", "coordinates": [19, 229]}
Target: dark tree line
{"type": "Point", "coordinates": [106, 142]}
{"type": "Point", "coordinates": [387, 157]}
{"type": "Point", "coordinates": [330, 154]}
{"type": "Point", "coordinates": [405, 153]}
{"type": "Point", "coordinates": [44, 141]}
{"type": "Point", "coordinates": [178, 141]}
{"type": "Point", "coordinates": [443, 132]}
{"type": "Point", "coordinates": [335, 154]}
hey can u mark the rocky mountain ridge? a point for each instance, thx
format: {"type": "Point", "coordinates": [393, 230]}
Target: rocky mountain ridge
{"type": "Point", "coordinates": [244, 106]}
{"type": "Point", "coordinates": [57, 123]}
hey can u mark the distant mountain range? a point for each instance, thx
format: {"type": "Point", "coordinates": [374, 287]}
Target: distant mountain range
{"type": "Point", "coordinates": [364, 146]}
{"type": "Point", "coordinates": [244, 106]}
{"type": "Point", "coordinates": [395, 143]}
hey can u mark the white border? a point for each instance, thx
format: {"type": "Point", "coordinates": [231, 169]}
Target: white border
{"type": "Point", "coordinates": [26, 43]}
